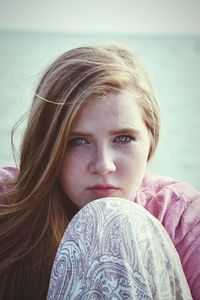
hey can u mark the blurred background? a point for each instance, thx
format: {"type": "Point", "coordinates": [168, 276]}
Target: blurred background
{"type": "Point", "coordinates": [164, 34]}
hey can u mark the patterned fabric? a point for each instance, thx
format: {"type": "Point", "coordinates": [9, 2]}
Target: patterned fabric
{"type": "Point", "coordinates": [114, 249]}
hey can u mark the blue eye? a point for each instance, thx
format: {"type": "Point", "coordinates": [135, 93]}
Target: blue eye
{"type": "Point", "coordinates": [124, 139]}
{"type": "Point", "coordinates": [77, 141]}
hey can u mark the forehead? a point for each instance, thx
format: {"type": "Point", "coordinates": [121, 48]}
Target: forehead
{"type": "Point", "coordinates": [121, 109]}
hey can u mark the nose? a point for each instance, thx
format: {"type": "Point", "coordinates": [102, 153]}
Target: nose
{"type": "Point", "coordinates": [103, 162]}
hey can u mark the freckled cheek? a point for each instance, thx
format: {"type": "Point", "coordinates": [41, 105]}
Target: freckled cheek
{"type": "Point", "coordinates": [132, 161]}
{"type": "Point", "coordinates": [75, 162]}
{"type": "Point", "coordinates": [131, 171]}
{"type": "Point", "coordinates": [126, 167]}
{"type": "Point", "coordinates": [123, 161]}
{"type": "Point", "coordinates": [71, 171]}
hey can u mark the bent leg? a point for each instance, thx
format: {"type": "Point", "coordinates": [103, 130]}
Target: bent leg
{"type": "Point", "coordinates": [114, 249]}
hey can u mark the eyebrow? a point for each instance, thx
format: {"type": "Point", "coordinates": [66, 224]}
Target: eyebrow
{"type": "Point", "coordinates": [128, 130]}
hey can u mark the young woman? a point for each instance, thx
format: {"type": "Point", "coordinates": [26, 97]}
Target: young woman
{"type": "Point", "coordinates": [93, 126]}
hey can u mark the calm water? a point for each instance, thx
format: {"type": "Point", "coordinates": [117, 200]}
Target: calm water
{"type": "Point", "coordinates": [173, 64]}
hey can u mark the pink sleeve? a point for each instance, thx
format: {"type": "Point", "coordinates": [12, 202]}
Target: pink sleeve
{"type": "Point", "coordinates": [188, 245]}
{"type": "Point", "coordinates": [177, 206]}
{"type": "Point", "coordinates": [7, 174]}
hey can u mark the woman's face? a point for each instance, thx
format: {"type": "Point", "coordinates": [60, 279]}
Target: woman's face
{"type": "Point", "coordinates": [107, 150]}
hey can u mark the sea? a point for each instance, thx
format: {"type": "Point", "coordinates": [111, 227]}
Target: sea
{"type": "Point", "coordinates": [172, 62]}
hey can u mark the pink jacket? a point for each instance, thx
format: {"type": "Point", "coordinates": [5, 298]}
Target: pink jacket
{"type": "Point", "coordinates": [177, 205]}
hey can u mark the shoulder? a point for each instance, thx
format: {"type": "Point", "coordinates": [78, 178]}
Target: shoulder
{"type": "Point", "coordinates": [171, 201]}
{"type": "Point", "coordinates": [6, 172]}
{"type": "Point", "coordinates": [7, 176]}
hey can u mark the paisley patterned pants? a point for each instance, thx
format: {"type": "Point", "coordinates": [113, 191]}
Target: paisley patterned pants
{"type": "Point", "coordinates": [114, 249]}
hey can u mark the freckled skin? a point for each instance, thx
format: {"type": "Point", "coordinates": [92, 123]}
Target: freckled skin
{"type": "Point", "coordinates": [108, 145]}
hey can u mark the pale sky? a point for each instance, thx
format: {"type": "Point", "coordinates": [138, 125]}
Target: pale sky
{"type": "Point", "coordinates": [112, 16]}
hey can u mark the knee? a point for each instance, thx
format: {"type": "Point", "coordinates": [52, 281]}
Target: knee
{"type": "Point", "coordinates": [113, 218]}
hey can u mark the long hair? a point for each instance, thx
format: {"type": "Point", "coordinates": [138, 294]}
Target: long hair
{"type": "Point", "coordinates": [32, 224]}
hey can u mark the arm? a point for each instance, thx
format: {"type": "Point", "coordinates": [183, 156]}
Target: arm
{"type": "Point", "coordinates": [189, 246]}
{"type": "Point", "coordinates": [177, 206]}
